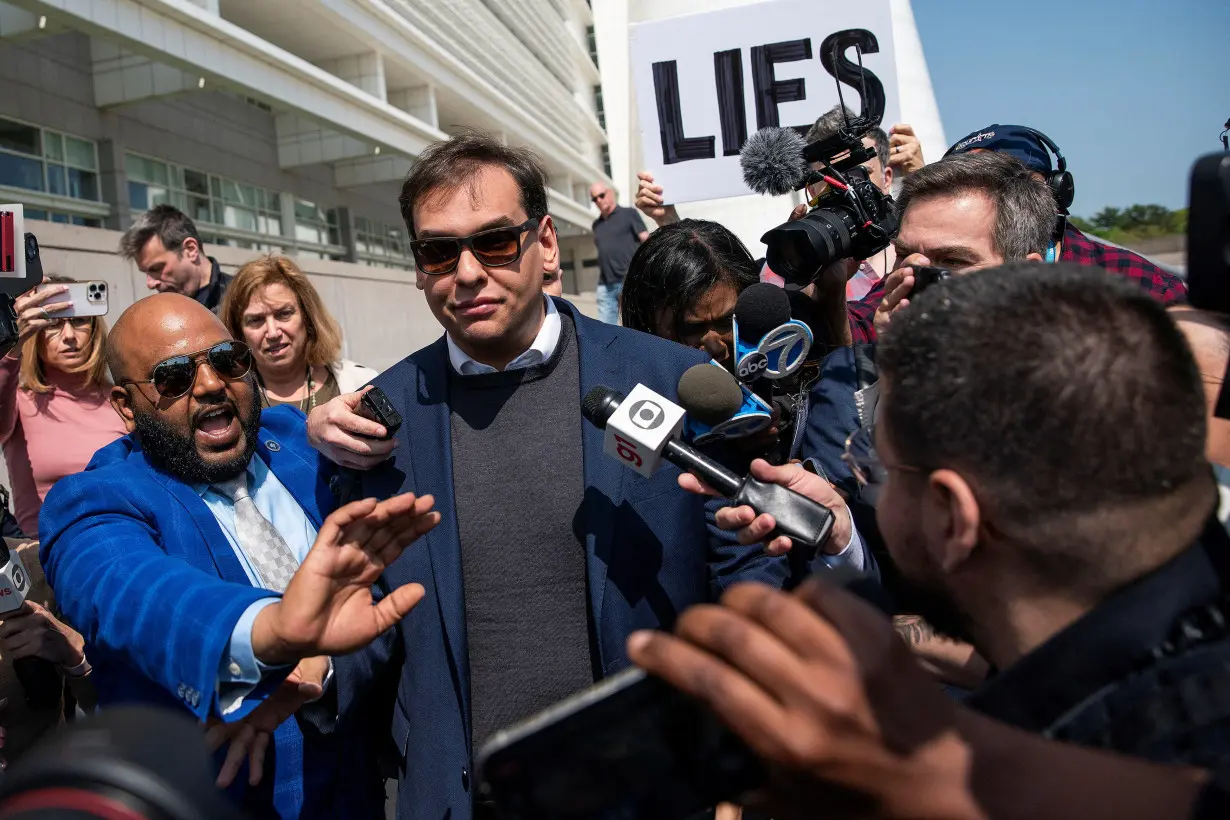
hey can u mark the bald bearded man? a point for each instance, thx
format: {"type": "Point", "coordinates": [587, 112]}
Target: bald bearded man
{"type": "Point", "coordinates": [195, 557]}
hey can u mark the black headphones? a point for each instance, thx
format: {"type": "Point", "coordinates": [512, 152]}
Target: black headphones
{"type": "Point", "coordinates": [1059, 180]}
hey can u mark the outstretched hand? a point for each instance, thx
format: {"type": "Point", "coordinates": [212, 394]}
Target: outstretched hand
{"type": "Point", "coordinates": [250, 738]}
{"type": "Point", "coordinates": [327, 608]}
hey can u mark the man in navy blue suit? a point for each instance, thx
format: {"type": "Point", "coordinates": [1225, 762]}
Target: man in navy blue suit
{"type": "Point", "coordinates": [170, 554]}
{"type": "Point", "coordinates": [549, 553]}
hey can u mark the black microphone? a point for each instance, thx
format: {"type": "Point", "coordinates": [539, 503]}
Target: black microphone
{"type": "Point", "coordinates": [805, 522]}
{"type": "Point", "coordinates": [772, 161]}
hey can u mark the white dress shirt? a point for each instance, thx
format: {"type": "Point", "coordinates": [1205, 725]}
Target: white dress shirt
{"type": "Point", "coordinates": [540, 351]}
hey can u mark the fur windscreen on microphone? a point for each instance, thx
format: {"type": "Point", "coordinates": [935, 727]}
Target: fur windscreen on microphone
{"type": "Point", "coordinates": [709, 394]}
{"type": "Point", "coordinates": [760, 308]}
{"type": "Point", "coordinates": [772, 161]}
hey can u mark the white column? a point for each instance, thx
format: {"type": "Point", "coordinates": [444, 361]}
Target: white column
{"type": "Point", "coordinates": [365, 71]}
{"type": "Point", "coordinates": [419, 102]}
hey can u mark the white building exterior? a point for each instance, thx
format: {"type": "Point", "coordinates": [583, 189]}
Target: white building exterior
{"type": "Point", "coordinates": [286, 124]}
{"type": "Point", "coordinates": [750, 216]}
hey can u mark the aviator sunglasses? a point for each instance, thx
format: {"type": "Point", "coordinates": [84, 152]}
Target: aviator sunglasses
{"type": "Point", "coordinates": [494, 248]}
{"type": "Point", "coordinates": [175, 376]}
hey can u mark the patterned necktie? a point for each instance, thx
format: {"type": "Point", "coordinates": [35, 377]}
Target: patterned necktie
{"type": "Point", "coordinates": [264, 546]}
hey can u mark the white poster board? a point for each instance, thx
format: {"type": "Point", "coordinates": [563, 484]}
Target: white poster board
{"type": "Point", "coordinates": [703, 82]}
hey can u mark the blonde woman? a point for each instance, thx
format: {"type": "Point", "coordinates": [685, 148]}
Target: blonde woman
{"type": "Point", "coordinates": [55, 392]}
{"type": "Point", "coordinates": [296, 344]}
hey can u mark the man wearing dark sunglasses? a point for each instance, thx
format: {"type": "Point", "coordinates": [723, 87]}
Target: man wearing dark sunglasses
{"type": "Point", "coordinates": [195, 556]}
{"type": "Point", "coordinates": [549, 552]}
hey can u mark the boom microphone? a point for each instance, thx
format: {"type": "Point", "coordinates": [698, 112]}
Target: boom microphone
{"type": "Point", "coordinates": [643, 429]}
{"type": "Point", "coordinates": [772, 161]}
{"type": "Point", "coordinates": [718, 407]}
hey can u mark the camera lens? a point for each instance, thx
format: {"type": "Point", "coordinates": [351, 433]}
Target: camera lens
{"type": "Point", "coordinates": [799, 250]}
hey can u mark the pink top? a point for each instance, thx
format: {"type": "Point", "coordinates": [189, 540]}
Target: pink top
{"type": "Point", "coordinates": [46, 436]}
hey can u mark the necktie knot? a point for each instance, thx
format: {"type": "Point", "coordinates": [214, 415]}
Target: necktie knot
{"type": "Point", "coordinates": [235, 488]}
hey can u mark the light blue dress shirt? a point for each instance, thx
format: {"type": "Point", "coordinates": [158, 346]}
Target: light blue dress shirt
{"type": "Point", "coordinates": [239, 670]}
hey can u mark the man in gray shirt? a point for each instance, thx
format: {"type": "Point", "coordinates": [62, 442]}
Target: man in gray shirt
{"type": "Point", "coordinates": [617, 233]}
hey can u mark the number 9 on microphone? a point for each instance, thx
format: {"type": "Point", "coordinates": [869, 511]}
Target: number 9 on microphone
{"type": "Point", "coordinates": [640, 428]}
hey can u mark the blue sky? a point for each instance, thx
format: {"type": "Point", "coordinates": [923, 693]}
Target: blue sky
{"type": "Point", "coordinates": [1132, 91]}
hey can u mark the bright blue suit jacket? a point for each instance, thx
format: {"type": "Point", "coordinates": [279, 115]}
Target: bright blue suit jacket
{"type": "Point", "coordinates": [141, 568]}
{"type": "Point", "coordinates": [651, 550]}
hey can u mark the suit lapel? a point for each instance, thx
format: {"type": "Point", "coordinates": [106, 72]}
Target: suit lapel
{"type": "Point", "coordinates": [600, 363]}
{"type": "Point", "coordinates": [217, 550]}
{"type": "Point", "coordinates": [298, 477]}
{"type": "Point", "coordinates": [432, 466]}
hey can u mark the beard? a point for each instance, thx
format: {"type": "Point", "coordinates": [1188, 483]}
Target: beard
{"type": "Point", "coordinates": [919, 592]}
{"type": "Point", "coordinates": [177, 454]}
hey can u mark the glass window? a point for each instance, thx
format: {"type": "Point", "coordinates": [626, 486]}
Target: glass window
{"type": "Point", "coordinates": [80, 153]}
{"type": "Point", "coordinates": [82, 184]}
{"type": "Point", "coordinates": [56, 180]}
{"type": "Point", "coordinates": [138, 196]}
{"type": "Point", "coordinates": [53, 147]}
{"type": "Point", "coordinates": [39, 159]}
{"type": "Point", "coordinates": [21, 172]}
{"type": "Point", "coordinates": [196, 183]}
{"type": "Point", "coordinates": [22, 139]}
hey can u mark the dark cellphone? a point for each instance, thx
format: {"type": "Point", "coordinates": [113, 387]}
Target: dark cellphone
{"type": "Point", "coordinates": [927, 275]}
{"type": "Point", "coordinates": [375, 405]}
{"type": "Point", "coordinates": [632, 746]}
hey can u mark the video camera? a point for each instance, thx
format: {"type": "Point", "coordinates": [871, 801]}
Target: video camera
{"type": "Point", "coordinates": [850, 217]}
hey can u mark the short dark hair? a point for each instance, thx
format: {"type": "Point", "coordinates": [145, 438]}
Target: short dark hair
{"type": "Point", "coordinates": [1024, 206]}
{"type": "Point", "coordinates": [833, 120]}
{"type": "Point", "coordinates": [677, 265]}
{"type": "Point", "coordinates": [1066, 396]}
{"type": "Point", "coordinates": [171, 225]}
{"type": "Point", "coordinates": [444, 166]}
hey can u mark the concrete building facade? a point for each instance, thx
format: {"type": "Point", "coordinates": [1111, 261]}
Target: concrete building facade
{"type": "Point", "coordinates": [287, 124]}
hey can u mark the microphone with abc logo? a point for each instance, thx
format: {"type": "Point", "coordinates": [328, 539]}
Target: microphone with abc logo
{"type": "Point", "coordinates": [644, 429]}
{"type": "Point", "coordinates": [40, 680]}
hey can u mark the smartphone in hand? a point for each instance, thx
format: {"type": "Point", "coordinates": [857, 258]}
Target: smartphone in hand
{"type": "Point", "coordinates": [375, 406]}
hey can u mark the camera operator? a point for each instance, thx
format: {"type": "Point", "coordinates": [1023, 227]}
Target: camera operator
{"type": "Point", "coordinates": [1067, 534]}
{"type": "Point", "coordinates": [822, 305]}
{"type": "Point", "coordinates": [963, 213]}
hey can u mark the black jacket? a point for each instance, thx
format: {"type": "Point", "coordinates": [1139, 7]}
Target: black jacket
{"type": "Point", "coordinates": [211, 295]}
{"type": "Point", "coordinates": [1145, 673]}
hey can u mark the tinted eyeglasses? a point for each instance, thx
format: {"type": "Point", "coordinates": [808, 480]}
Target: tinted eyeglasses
{"type": "Point", "coordinates": [493, 248]}
{"type": "Point", "coordinates": [76, 322]}
{"type": "Point", "coordinates": [175, 376]}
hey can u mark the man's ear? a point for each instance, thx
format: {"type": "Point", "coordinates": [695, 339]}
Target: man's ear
{"type": "Point", "coordinates": [1034, 257]}
{"type": "Point", "coordinates": [549, 241]}
{"type": "Point", "coordinates": [121, 403]}
{"type": "Point", "coordinates": [888, 176]}
{"type": "Point", "coordinates": [951, 519]}
{"type": "Point", "coordinates": [192, 249]}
